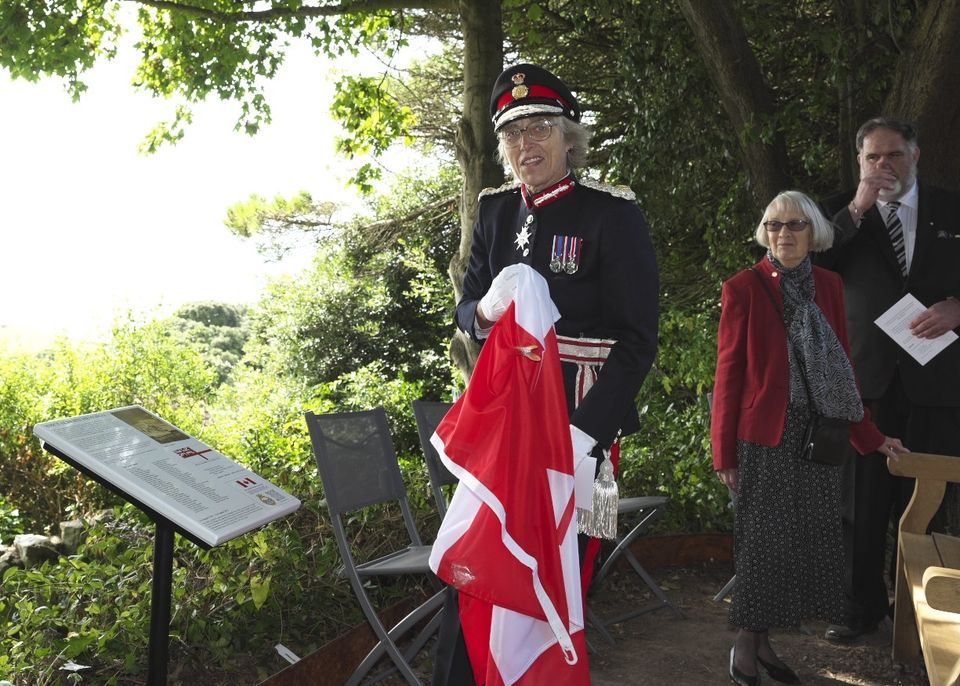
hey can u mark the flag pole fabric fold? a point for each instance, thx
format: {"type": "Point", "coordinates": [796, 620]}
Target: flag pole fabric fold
{"type": "Point", "coordinates": [509, 542]}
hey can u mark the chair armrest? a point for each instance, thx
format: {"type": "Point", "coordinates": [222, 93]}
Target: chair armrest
{"type": "Point", "coordinates": [941, 586]}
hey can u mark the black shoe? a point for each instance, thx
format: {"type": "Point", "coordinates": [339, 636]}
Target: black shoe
{"type": "Point", "coordinates": [839, 632]}
{"type": "Point", "coordinates": [784, 675]}
{"type": "Point", "coordinates": [738, 677]}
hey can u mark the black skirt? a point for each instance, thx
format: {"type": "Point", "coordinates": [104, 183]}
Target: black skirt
{"type": "Point", "coordinates": [788, 536]}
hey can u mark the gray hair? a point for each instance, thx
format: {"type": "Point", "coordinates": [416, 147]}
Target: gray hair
{"type": "Point", "coordinates": [576, 135]}
{"type": "Point", "coordinates": [821, 230]}
{"type": "Point", "coordinates": [901, 126]}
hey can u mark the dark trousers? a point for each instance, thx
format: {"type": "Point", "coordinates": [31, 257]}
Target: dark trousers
{"type": "Point", "coordinates": [451, 665]}
{"type": "Point", "coordinates": [874, 499]}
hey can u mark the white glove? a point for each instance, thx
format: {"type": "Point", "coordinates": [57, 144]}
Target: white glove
{"type": "Point", "coordinates": [500, 294]}
{"type": "Point", "coordinates": [585, 468]}
{"type": "Point", "coordinates": [582, 443]}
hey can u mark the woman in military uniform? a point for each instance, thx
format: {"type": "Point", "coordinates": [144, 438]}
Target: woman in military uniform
{"type": "Point", "coordinates": [591, 244]}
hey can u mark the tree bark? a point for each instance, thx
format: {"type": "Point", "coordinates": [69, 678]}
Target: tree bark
{"type": "Point", "coordinates": [924, 91]}
{"type": "Point", "coordinates": [746, 98]}
{"type": "Point", "coordinates": [850, 15]}
{"type": "Point", "coordinates": [482, 29]}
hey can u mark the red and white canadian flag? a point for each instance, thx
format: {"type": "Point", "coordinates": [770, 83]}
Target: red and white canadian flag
{"type": "Point", "coordinates": [509, 540]}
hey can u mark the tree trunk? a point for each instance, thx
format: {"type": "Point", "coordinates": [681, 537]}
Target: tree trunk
{"type": "Point", "coordinates": [482, 29]}
{"type": "Point", "coordinates": [850, 16]}
{"type": "Point", "coordinates": [924, 91]}
{"type": "Point", "coordinates": [746, 98]}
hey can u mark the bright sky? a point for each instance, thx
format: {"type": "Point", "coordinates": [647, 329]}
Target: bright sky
{"type": "Point", "coordinates": [89, 228]}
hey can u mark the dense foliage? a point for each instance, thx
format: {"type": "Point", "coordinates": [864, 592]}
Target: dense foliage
{"type": "Point", "coordinates": [140, 364]}
{"type": "Point", "coordinates": [231, 603]}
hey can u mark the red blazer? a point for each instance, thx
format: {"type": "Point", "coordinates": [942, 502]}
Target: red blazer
{"type": "Point", "coordinates": [751, 389]}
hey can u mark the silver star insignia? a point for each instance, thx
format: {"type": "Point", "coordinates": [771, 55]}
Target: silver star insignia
{"type": "Point", "coordinates": [523, 238]}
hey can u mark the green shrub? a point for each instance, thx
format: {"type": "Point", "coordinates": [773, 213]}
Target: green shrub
{"type": "Point", "coordinates": [139, 364]}
{"type": "Point", "coordinates": [10, 524]}
{"type": "Point", "coordinates": [94, 609]}
{"type": "Point", "coordinates": [670, 455]}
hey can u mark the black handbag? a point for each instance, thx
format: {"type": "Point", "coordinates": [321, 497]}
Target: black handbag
{"type": "Point", "coordinates": [827, 439]}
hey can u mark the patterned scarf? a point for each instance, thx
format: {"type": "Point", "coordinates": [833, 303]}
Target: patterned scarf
{"type": "Point", "coordinates": [825, 367]}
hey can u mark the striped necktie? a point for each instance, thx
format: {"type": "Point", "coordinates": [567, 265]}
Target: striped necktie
{"type": "Point", "coordinates": [895, 227]}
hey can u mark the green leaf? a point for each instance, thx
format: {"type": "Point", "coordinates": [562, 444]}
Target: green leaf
{"type": "Point", "coordinates": [259, 589]}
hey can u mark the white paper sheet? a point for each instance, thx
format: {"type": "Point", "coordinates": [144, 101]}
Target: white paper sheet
{"type": "Point", "coordinates": [895, 322]}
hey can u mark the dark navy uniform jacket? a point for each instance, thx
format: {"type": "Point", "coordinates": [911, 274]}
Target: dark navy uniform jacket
{"type": "Point", "coordinates": [612, 294]}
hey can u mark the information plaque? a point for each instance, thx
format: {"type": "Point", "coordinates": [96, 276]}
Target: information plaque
{"type": "Point", "coordinates": [206, 495]}
{"type": "Point", "coordinates": [182, 484]}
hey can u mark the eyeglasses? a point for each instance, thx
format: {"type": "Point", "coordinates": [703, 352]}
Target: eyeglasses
{"type": "Point", "coordinates": [539, 130]}
{"type": "Point", "coordinates": [793, 225]}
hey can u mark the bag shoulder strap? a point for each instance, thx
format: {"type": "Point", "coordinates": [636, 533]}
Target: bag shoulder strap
{"type": "Point", "coordinates": [773, 300]}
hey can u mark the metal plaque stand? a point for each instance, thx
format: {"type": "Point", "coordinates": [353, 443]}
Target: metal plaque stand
{"type": "Point", "coordinates": [158, 651]}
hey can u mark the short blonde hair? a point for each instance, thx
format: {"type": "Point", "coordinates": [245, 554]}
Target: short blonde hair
{"type": "Point", "coordinates": [821, 230]}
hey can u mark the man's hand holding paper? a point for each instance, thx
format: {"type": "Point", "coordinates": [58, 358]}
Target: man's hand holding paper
{"type": "Point", "coordinates": [923, 332]}
{"type": "Point", "coordinates": [937, 319]}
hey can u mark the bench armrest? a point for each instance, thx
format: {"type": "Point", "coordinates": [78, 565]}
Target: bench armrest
{"type": "Point", "coordinates": [932, 473]}
{"type": "Point", "coordinates": [926, 466]}
{"type": "Point", "coordinates": [941, 587]}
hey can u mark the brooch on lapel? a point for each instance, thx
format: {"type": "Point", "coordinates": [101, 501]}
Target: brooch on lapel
{"type": "Point", "coordinates": [524, 236]}
{"type": "Point", "coordinates": [530, 352]}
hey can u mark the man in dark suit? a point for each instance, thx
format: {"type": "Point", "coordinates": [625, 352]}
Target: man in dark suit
{"type": "Point", "coordinates": [894, 236]}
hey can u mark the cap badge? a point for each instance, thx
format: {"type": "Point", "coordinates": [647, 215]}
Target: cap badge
{"type": "Point", "coordinates": [519, 90]}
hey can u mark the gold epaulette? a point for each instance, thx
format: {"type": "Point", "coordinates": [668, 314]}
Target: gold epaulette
{"type": "Point", "coordinates": [505, 188]}
{"type": "Point", "coordinates": [624, 192]}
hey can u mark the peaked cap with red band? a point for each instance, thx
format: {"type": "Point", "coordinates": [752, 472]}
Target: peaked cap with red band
{"type": "Point", "coordinates": [526, 90]}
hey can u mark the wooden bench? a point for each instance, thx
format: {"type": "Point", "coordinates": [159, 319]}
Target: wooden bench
{"type": "Point", "coordinates": [927, 610]}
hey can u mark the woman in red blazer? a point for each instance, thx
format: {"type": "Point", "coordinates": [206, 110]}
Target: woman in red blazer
{"type": "Point", "coordinates": [782, 350]}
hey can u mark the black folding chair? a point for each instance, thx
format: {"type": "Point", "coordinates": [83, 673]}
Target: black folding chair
{"type": "Point", "coordinates": [429, 414]}
{"type": "Point", "coordinates": [358, 468]}
{"type": "Point", "coordinates": [641, 512]}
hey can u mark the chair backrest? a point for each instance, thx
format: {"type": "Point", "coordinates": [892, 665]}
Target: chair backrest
{"type": "Point", "coordinates": [358, 463]}
{"type": "Point", "coordinates": [429, 415]}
